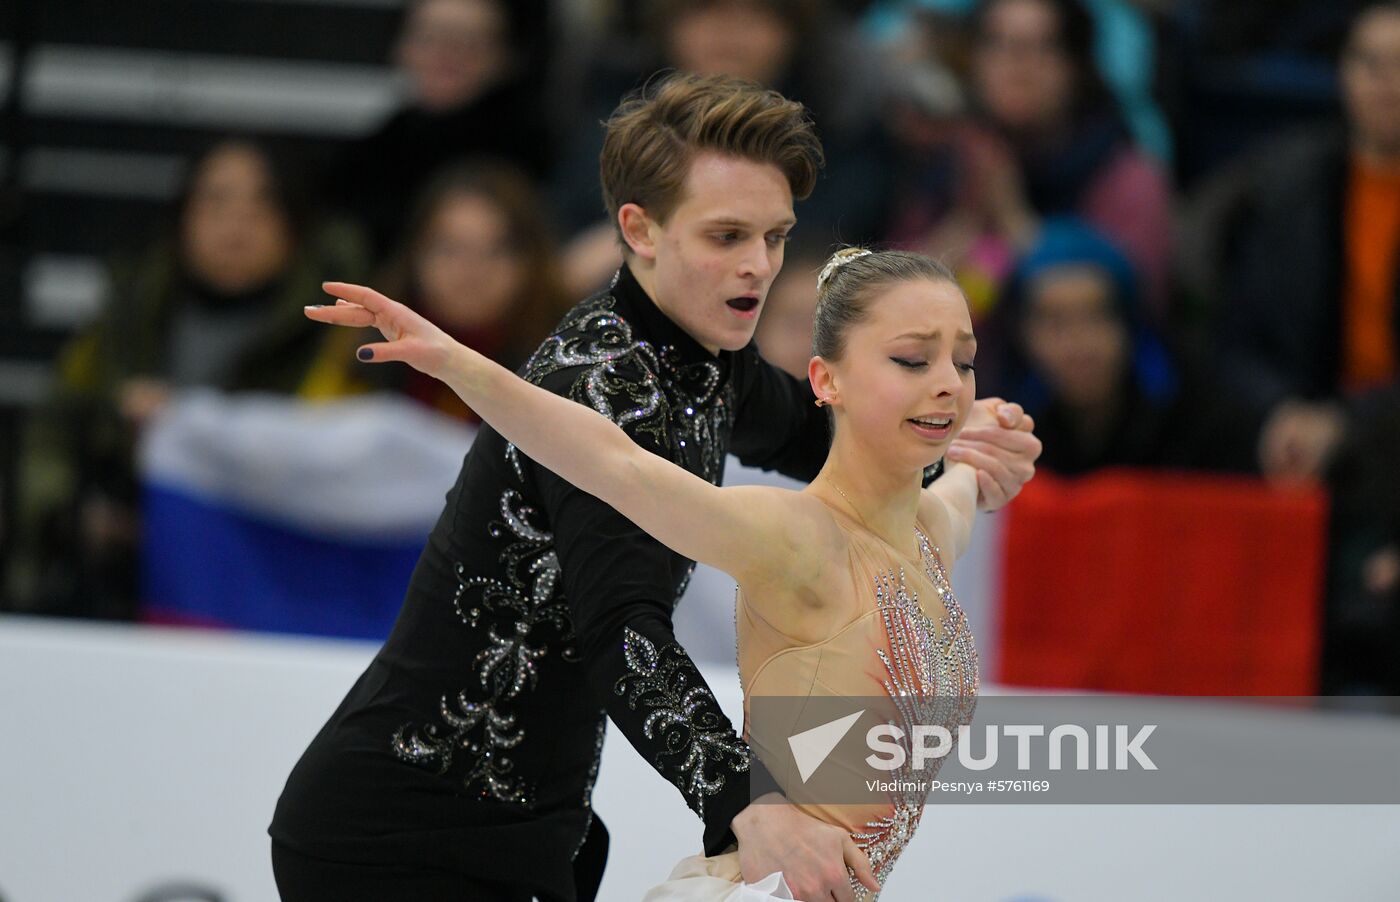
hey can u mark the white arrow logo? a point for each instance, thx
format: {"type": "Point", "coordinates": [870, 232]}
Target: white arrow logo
{"type": "Point", "coordinates": [810, 747]}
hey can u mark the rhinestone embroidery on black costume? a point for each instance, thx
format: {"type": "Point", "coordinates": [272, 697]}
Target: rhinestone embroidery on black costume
{"type": "Point", "coordinates": [687, 408]}
{"type": "Point", "coordinates": [505, 667]}
{"type": "Point", "coordinates": [641, 386]}
{"type": "Point", "coordinates": [688, 717]}
{"type": "Point", "coordinates": [482, 732]}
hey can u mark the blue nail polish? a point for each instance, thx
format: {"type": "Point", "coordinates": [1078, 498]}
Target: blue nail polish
{"type": "Point", "coordinates": [366, 353]}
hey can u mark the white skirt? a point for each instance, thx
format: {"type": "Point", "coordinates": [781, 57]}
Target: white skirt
{"type": "Point", "coordinates": [716, 879]}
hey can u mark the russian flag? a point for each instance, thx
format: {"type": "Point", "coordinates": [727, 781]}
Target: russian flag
{"type": "Point", "coordinates": [267, 513]}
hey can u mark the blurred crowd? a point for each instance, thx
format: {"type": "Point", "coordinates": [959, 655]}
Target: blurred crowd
{"type": "Point", "coordinates": [1176, 254]}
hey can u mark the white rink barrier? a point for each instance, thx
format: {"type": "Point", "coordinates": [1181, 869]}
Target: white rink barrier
{"type": "Point", "coordinates": [139, 758]}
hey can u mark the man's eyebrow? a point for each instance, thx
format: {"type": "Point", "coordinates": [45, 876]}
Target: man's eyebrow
{"type": "Point", "coordinates": [743, 223]}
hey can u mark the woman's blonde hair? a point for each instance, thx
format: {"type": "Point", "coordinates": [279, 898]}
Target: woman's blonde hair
{"type": "Point", "coordinates": [847, 282]}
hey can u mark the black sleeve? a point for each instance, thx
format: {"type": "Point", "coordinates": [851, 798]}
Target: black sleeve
{"type": "Point", "coordinates": [778, 425]}
{"type": "Point", "coordinates": [620, 584]}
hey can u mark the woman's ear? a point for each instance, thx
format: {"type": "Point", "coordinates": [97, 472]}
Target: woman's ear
{"type": "Point", "coordinates": [823, 381]}
{"type": "Point", "coordinates": [637, 230]}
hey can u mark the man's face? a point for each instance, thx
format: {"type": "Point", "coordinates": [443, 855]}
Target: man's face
{"type": "Point", "coordinates": [1371, 80]}
{"type": "Point", "coordinates": [718, 252]}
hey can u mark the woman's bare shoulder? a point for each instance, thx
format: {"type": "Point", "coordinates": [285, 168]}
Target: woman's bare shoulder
{"type": "Point", "coordinates": [811, 541]}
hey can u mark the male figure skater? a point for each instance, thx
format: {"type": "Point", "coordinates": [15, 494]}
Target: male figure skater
{"type": "Point", "coordinates": [462, 762]}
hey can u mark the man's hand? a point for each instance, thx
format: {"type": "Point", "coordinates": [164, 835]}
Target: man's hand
{"type": "Point", "coordinates": [774, 835]}
{"type": "Point", "coordinates": [998, 441]}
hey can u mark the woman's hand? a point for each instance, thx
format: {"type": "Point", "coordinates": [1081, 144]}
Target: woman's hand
{"type": "Point", "coordinates": [410, 338]}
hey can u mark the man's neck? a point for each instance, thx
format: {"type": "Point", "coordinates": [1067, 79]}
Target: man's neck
{"type": "Point", "coordinates": [645, 274]}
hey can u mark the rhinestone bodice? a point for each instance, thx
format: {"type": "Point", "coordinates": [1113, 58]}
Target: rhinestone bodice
{"type": "Point", "coordinates": [908, 644]}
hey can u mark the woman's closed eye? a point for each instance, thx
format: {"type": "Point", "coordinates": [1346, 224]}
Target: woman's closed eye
{"type": "Point", "coordinates": [916, 364]}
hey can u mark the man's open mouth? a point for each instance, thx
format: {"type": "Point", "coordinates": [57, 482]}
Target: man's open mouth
{"type": "Point", "coordinates": [743, 305]}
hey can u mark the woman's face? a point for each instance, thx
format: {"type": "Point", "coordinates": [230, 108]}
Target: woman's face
{"type": "Point", "coordinates": [468, 271]}
{"type": "Point", "coordinates": [1074, 336]}
{"type": "Point", "coordinates": [748, 40]}
{"type": "Point", "coordinates": [1021, 74]}
{"type": "Point", "coordinates": [235, 236]}
{"type": "Point", "coordinates": [905, 382]}
{"type": "Point", "coordinates": [452, 51]}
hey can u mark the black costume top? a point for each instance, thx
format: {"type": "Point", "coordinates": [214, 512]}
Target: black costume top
{"type": "Point", "coordinates": [472, 740]}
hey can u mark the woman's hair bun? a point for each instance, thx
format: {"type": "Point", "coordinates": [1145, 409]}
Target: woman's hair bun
{"type": "Point", "coordinates": [840, 258]}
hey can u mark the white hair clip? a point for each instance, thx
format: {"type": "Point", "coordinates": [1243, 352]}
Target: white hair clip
{"type": "Point", "coordinates": [839, 259]}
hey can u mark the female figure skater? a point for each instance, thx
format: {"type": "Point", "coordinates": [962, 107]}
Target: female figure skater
{"type": "Point", "coordinates": [843, 585]}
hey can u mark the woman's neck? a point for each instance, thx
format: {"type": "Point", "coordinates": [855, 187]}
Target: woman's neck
{"type": "Point", "coordinates": [885, 502]}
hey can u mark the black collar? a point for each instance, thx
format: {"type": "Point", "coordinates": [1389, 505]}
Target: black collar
{"type": "Point", "coordinates": [652, 325]}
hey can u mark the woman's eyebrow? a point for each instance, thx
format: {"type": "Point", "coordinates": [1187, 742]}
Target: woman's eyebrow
{"type": "Point", "coordinates": [962, 336]}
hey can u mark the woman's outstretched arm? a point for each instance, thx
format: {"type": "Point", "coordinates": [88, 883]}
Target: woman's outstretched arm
{"type": "Point", "coordinates": [950, 503]}
{"type": "Point", "coordinates": [745, 531]}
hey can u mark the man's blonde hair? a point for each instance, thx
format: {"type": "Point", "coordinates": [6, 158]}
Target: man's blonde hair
{"type": "Point", "coordinates": [655, 133]}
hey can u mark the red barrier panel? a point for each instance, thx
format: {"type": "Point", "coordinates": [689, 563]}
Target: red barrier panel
{"type": "Point", "coordinates": [1135, 581]}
